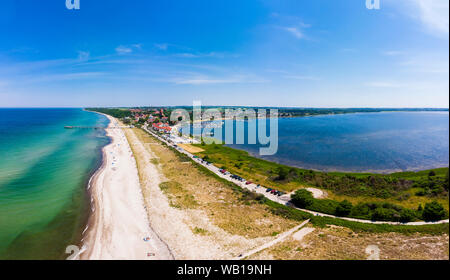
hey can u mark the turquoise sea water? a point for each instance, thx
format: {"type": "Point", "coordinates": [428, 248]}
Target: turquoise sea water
{"type": "Point", "coordinates": [44, 170]}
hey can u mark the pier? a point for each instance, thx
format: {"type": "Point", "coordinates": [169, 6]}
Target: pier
{"type": "Point", "coordinates": [95, 127]}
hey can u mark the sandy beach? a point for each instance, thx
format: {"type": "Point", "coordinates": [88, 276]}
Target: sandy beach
{"type": "Point", "coordinates": [119, 226]}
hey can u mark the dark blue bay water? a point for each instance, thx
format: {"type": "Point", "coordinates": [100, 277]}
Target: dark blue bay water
{"type": "Point", "coordinates": [44, 170]}
{"type": "Point", "coordinates": [375, 142]}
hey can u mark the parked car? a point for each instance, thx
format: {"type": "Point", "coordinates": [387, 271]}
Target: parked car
{"type": "Point", "coordinates": [269, 190]}
{"type": "Point", "coordinates": [248, 182]}
{"type": "Point", "coordinates": [273, 191]}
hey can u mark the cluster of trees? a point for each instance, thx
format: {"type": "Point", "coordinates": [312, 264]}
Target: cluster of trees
{"type": "Point", "coordinates": [381, 186]}
{"type": "Point", "coordinates": [116, 113]}
{"type": "Point", "coordinates": [432, 211]}
{"type": "Point", "coordinates": [432, 185]}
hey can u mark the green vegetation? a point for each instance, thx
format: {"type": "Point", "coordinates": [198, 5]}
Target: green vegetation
{"type": "Point", "coordinates": [344, 208]}
{"type": "Point", "coordinates": [114, 112]}
{"type": "Point", "coordinates": [434, 183]}
{"type": "Point", "coordinates": [303, 198]}
{"type": "Point", "coordinates": [381, 189]}
{"type": "Point", "coordinates": [298, 215]}
{"type": "Point", "coordinates": [433, 212]}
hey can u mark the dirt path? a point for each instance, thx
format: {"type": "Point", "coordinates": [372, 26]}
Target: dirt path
{"type": "Point", "coordinates": [281, 237]}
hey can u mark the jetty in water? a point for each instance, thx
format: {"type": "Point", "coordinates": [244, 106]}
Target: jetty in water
{"type": "Point", "coordinates": [95, 127]}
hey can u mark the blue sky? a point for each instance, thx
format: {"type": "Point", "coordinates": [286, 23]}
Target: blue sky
{"type": "Point", "coordinates": [306, 53]}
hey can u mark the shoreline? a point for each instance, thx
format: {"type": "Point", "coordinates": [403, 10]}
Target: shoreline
{"type": "Point", "coordinates": [118, 225]}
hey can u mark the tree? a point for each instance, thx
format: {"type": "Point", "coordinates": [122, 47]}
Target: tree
{"type": "Point", "coordinates": [303, 198]}
{"type": "Point", "coordinates": [384, 214]}
{"type": "Point", "coordinates": [433, 211]}
{"type": "Point", "coordinates": [432, 173]}
{"type": "Point", "coordinates": [407, 215]}
{"type": "Point", "coordinates": [344, 208]}
{"type": "Point", "coordinates": [282, 173]}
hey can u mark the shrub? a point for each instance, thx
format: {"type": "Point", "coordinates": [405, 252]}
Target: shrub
{"type": "Point", "coordinates": [282, 173]}
{"type": "Point", "coordinates": [303, 198]}
{"type": "Point", "coordinates": [384, 214]}
{"type": "Point", "coordinates": [407, 215]}
{"type": "Point", "coordinates": [344, 208]}
{"type": "Point", "coordinates": [421, 192]}
{"type": "Point", "coordinates": [433, 211]}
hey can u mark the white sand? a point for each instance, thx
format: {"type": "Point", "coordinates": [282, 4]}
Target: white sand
{"type": "Point", "coordinates": [317, 193]}
{"type": "Point", "coordinates": [119, 222]}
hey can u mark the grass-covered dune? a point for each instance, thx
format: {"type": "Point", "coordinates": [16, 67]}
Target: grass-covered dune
{"type": "Point", "coordinates": [399, 196]}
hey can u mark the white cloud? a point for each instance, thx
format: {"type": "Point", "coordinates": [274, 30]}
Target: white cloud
{"type": "Point", "coordinates": [205, 80]}
{"type": "Point", "coordinates": [393, 53]}
{"type": "Point", "coordinates": [427, 63]}
{"type": "Point", "coordinates": [295, 31]}
{"type": "Point", "coordinates": [64, 77]}
{"type": "Point", "coordinates": [434, 14]}
{"type": "Point", "coordinates": [210, 54]}
{"type": "Point", "coordinates": [162, 46]}
{"type": "Point", "coordinates": [83, 56]}
{"type": "Point", "coordinates": [123, 50]}
{"type": "Point", "coordinates": [310, 78]}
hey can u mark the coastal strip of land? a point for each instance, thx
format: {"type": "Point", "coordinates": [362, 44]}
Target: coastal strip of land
{"type": "Point", "coordinates": [284, 200]}
{"type": "Point", "coordinates": [119, 227]}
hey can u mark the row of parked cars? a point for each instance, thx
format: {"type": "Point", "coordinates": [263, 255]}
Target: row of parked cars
{"type": "Point", "coordinates": [275, 192]}
{"type": "Point", "coordinates": [202, 160]}
{"type": "Point", "coordinates": [236, 177]}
